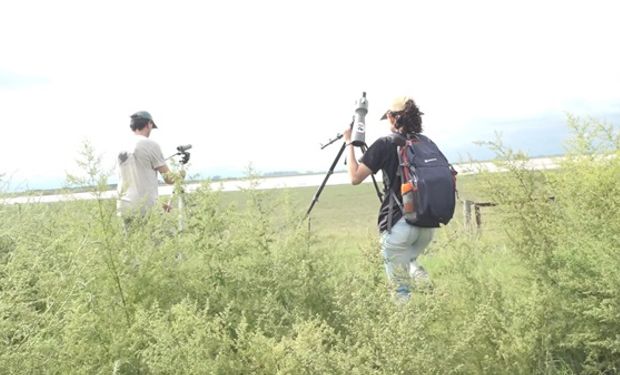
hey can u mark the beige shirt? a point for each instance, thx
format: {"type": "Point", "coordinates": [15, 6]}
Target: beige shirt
{"type": "Point", "coordinates": [137, 185]}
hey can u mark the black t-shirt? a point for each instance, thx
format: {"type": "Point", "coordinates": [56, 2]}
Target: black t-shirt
{"type": "Point", "coordinates": [382, 155]}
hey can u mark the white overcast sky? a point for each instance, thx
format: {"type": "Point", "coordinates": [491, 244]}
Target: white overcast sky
{"type": "Point", "coordinates": [268, 81]}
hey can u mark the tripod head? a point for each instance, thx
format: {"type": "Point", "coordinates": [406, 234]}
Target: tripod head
{"type": "Point", "coordinates": [182, 150]}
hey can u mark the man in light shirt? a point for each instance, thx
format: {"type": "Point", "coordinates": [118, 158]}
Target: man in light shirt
{"type": "Point", "coordinates": [138, 163]}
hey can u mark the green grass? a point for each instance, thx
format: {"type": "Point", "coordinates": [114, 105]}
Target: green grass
{"type": "Point", "coordinates": [345, 216]}
{"type": "Point", "coordinates": [246, 287]}
{"type": "Point", "coordinates": [344, 219]}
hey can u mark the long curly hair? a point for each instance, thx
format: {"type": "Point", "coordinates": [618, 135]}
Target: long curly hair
{"type": "Point", "coordinates": [409, 120]}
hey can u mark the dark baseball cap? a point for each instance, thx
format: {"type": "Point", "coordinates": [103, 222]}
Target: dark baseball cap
{"type": "Point", "coordinates": [145, 115]}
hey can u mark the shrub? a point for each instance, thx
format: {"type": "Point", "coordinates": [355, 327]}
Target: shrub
{"type": "Point", "coordinates": [243, 288]}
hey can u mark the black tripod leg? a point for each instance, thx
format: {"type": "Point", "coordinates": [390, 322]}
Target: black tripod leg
{"type": "Point", "coordinates": [379, 194]}
{"type": "Point", "coordinates": [329, 173]}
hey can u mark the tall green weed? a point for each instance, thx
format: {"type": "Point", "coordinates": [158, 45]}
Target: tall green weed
{"type": "Point", "coordinates": [245, 288]}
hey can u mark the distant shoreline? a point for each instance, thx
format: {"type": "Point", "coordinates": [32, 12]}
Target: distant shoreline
{"type": "Point", "coordinates": [262, 182]}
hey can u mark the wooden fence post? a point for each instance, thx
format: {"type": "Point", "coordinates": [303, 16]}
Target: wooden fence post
{"type": "Point", "coordinates": [467, 213]}
{"type": "Point", "coordinates": [479, 214]}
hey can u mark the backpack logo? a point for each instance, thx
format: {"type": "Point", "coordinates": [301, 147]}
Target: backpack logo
{"type": "Point", "coordinates": [429, 160]}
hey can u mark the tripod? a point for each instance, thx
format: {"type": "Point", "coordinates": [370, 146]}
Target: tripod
{"type": "Point", "coordinates": [178, 190]}
{"type": "Point", "coordinates": [363, 147]}
{"type": "Point", "coordinates": [179, 205]}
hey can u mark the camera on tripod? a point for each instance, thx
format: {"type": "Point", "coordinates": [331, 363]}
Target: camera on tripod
{"type": "Point", "coordinates": [182, 150]}
{"type": "Point", "coordinates": [358, 139]}
{"type": "Point", "coordinates": [178, 189]}
{"type": "Point", "coordinates": [359, 121]}
{"type": "Point", "coordinates": [358, 124]}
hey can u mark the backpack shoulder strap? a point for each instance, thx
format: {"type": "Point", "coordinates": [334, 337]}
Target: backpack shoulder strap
{"type": "Point", "coordinates": [392, 199]}
{"type": "Point", "coordinates": [400, 141]}
{"type": "Point", "coordinates": [397, 139]}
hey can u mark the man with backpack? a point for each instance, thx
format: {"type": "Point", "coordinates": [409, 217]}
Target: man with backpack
{"type": "Point", "coordinates": [412, 166]}
{"type": "Point", "coordinates": [139, 162]}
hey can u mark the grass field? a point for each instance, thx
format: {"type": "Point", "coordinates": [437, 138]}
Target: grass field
{"type": "Point", "coordinates": [345, 214]}
{"type": "Point", "coordinates": [247, 288]}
